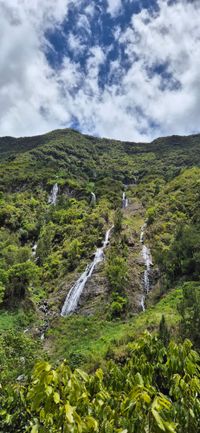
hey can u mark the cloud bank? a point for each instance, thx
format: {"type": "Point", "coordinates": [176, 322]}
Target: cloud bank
{"type": "Point", "coordinates": [79, 65]}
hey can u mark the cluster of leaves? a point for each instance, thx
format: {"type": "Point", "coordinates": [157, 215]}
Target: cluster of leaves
{"type": "Point", "coordinates": [72, 232]}
{"type": "Point", "coordinates": [65, 235]}
{"type": "Point", "coordinates": [183, 256]}
{"type": "Point", "coordinates": [17, 272]}
{"type": "Point", "coordinates": [155, 390]}
{"type": "Point", "coordinates": [189, 308]}
{"type": "Point", "coordinates": [117, 270]}
{"type": "Point", "coordinates": [18, 354]}
{"type": "Point", "coordinates": [174, 227]}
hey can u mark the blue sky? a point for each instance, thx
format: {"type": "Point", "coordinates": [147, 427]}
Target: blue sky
{"type": "Point", "coordinates": [126, 69]}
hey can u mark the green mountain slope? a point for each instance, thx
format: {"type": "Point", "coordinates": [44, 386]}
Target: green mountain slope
{"type": "Point", "coordinates": [45, 247]}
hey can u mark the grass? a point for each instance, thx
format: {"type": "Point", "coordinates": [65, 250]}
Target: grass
{"type": "Point", "coordinates": [15, 320]}
{"type": "Point", "coordinates": [86, 340]}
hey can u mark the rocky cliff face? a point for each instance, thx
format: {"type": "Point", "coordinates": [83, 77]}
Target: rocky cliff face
{"type": "Point", "coordinates": [96, 294]}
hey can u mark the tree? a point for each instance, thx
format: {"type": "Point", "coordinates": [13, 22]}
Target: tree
{"type": "Point", "coordinates": [164, 333]}
{"type": "Point", "coordinates": [189, 308]}
{"type": "Point", "coordinates": [122, 398]}
{"type": "Point", "coordinates": [118, 220]}
{"type": "Point", "coordinates": [117, 273]}
{"type": "Point", "coordinates": [20, 277]}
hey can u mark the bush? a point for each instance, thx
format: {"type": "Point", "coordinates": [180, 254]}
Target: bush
{"type": "Point", "coordinates": [118, 221]}
{"type": "Point", "coordinates": [118, 307]}
{"type": "Point", "coordinates": [117, 273]}
{"type": "Point", "coordinates": [151, 213]}
{"type": "Point", "coordinates": [189, 308]}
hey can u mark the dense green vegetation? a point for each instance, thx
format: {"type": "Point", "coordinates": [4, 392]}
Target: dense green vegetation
{"type": "Point", "coordinates": [133, 383]}
{"type": "Point", "coordinates": [154, 390]}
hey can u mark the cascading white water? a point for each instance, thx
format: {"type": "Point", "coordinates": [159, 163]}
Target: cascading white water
{"type": "Point", "coordinates": [142, 233]}
{"type": "Point", "coordinates": [75, 292]}
{"type": "Point", "coordinates": [53, 195]}
{"type": "Point", "coordinates": [93, 200]}
{"type": "Point", "coordinates": [146, 254]}
{"type": "Point", "coordinates": [148, 263]}
{"type": "Point", "coordinates": [34, 248]}
{"type": "Point", "coordinates": [142, 303]}
{"type": "Point", "coordinates": [124, 201]}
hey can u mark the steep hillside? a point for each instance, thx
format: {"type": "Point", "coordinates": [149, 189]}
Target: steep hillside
{"type": "Point", "coordinates": [66, 234]}
{"type": "Point", "coordinates": [110, 227]}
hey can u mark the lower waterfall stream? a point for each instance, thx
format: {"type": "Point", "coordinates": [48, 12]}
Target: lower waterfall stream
{"type": "Point", "coordinates": [72, 299]}
{"type": "Point", "coordinates": [94, 199]}
{"type": "Point", "coordinates": [34, 249]}
{"type": "Point", "coordinates": [53, 195]}
{"type": "Point", "coordinates": [75, 292]}
{"type": "Point", "coordinates": [146, 254]}
{"type": "Point", "coordinates": [124, 201]}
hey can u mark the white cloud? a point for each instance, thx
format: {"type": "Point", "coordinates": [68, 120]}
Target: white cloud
{"type": "Point", "coordinates": [29, 91]}
{"type": "Point", "coordinates": [75, 44]}
{"type": "Point", "coordinates": [171, 38]}
{"type": "Point", "coordinates": [83, 23]}
{"type": "Point", "coordinates": [34, 98]}
{"type": "Point", "coordinates": [114, 6]}
{"type": "Point", "coordinates": [90, 9]}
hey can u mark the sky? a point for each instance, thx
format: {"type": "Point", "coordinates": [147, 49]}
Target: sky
{"type": "Point", "coordinates": [123, 69]}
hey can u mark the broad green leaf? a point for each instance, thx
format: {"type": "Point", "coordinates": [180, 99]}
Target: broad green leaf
{"type": "Point", "coordinates": [192, 413]}
{"type": "Point", "coordinates": [91, 423]}
{"type": "Point", "coordinates": [34, 429]}
{"type": "Point", "coordinates": [56, 397]}
{"type": "Point", "coordinates": [69, 413]}
{"type": "Point", "coordinates": [146, 397]}
{"type": "Point", "coordinates": [139, 379]}
{"type": "Point", "coordinates": [158, 419]}
{"type": "Point", "coordinates": [48, 390]}
{"type": "Point", "coordinates": [170, 426]}
{"type": "Point", "coordinates": [82, 373]}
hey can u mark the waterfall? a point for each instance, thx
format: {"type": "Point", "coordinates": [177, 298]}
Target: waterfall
{"type": "Point", "coordinates": [142, 233]}
{"type": "Point", "coordinates": [53, 195]}
{"type": "Point", "coordinates": [93, 200]}
{"type": "Point", "coordinates": [142, 303]}
{"type": "Point", "coordinates": [146, 254]}
{"type": "Point", "coordinates": [124, 201]}
{"type": "Point", "coordinates": [75, 292]}
{"type": "Point", "coordinates": [34, 248]}
{"type": "Point", "coordinates": [148, 263]}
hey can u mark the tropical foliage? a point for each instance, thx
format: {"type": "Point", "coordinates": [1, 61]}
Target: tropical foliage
{"type": "Point", "coordinates": [154, 391]}
{"type": "Point", "coordinates": [146, 384]}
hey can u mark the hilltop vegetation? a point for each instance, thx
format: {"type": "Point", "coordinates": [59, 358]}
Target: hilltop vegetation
{"type": "Point", "coordinates": [43, 250]}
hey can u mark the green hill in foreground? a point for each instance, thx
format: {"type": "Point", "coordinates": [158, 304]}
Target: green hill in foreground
{"type": "Point", "coordinates": [142, 373]}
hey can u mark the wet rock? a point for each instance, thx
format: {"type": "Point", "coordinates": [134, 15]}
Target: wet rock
{"type": "Point", "coordinates": [130, 241]}
{"type": "Point", "coordinates": [21, 378]}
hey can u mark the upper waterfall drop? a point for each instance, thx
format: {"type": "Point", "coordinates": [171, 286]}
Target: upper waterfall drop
{"type": "Point", "coordinates": [53, 195]}
{"type": "Point", "coordinates": [124, 201]}
{"type": "Point", "coordinates": [75, 292]}
{"type": "Point", "coordinates": [148, 263]}
{"type": "Point", "coordinates": [93, 199]}
{"type": "Point", "coordinates": [142, 233]}
{"type": "Point", "coordinates": [34, 249]}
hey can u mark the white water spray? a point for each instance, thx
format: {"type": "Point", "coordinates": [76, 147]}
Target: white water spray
{"type": "Point", "coordinates": [146, 254]}
{"type": "Point", "coordinates": [75, 292]}
{"type": "Point", "coordinates": [94, 199]}
{"type": "Point", "coordinates": [53, 195]}
{"type": "Point", "coordinates": [142, 303]}
{"type": "Point", "coordinates": [124, 201]}
{"type": "Point", "coordinates": [34, 248]}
